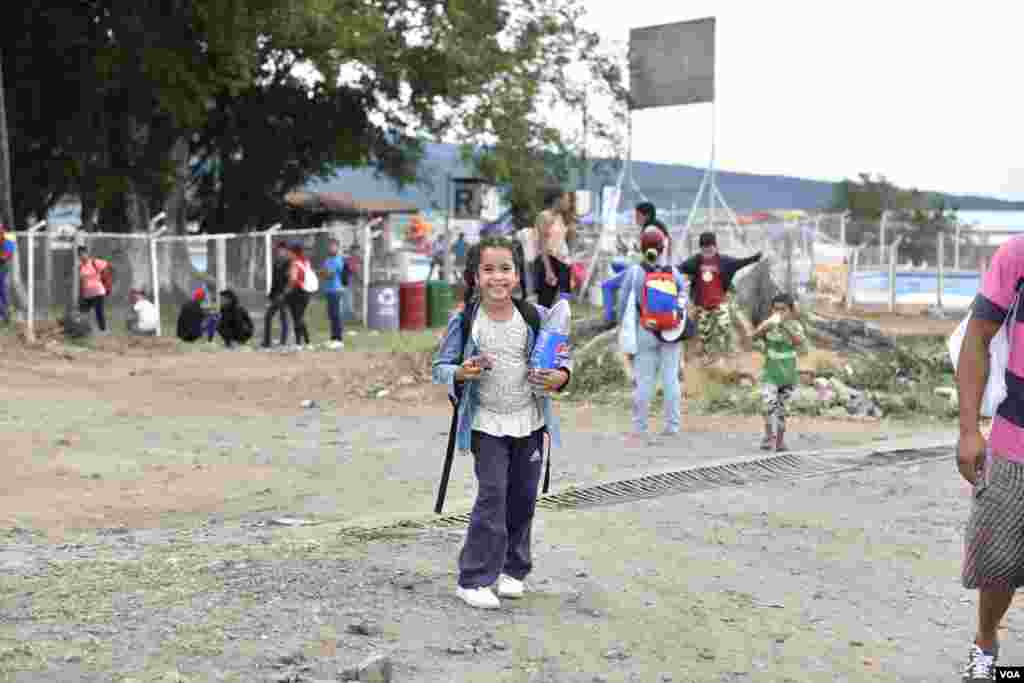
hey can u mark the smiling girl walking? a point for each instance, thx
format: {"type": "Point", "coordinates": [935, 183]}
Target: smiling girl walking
{"type": "Point", "coordinates": [503, 412]}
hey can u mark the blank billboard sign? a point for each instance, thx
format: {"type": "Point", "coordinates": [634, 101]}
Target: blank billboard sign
{"type": "Point", "coordinates": [672, 64]}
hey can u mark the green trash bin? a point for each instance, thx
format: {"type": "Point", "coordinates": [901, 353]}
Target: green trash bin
{"type": "Point", "coordinates": [439, 302]}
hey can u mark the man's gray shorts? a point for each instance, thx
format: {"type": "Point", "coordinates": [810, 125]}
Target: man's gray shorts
{"type": "Point", "coordinates": [994, 540]}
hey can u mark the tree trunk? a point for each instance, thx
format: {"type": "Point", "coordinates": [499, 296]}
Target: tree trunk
{"type": "Point", "coordinates": [17, 284]}
{"type": "Point", "coordinates": [176, 274]}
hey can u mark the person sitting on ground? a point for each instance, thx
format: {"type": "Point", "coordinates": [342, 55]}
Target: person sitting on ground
{"type": "Point", "coordinates": [235, 326]}
{"type": "Point", "coordinates": [194, 320]}
{"type": "Point", "coordinates": [780, 338]}
{"type": "Point", "coordinates": [143, 319]}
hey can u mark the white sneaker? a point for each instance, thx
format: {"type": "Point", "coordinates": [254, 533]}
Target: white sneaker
{"type": "Point", "coordinates": [336, 345]}
{"type": "Point", "coordinates": [509, 587]}
{"type": "Point", "coordinates": [980, 666]}
{"type": "Point", "coordinates": [481, 598]}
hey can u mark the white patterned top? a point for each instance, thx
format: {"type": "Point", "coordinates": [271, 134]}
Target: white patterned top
{"type": "Point", "coordinates": [508, 406]}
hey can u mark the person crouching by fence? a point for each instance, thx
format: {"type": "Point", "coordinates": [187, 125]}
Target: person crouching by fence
{"type": "Point", "coordinates": [235, 325]}
{"type": "Point", "coordinates": [503, 411]}
{"type": "Point", "coordinates": [781, 338]}
{"type": "Point", "coordinates": [654, 325]}
{"type": "Point", "coordinates": [278, 285]}
{"type": "Point", "coordinates": [143, 318]}
{"type": "Point", "coordinates": [95, 278]}
{"type": "Point", "coordinates": [195, 320]}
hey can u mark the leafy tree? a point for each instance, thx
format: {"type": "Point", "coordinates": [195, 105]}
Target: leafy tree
{"type": "Point", "coordinates": [162, 89]}
{"type": "Point", "coordinates": [919, 217]}
{"type": "Point", "coordinates": [536, 126]}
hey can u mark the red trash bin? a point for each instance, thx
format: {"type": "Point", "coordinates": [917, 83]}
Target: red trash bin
{"type": "Point", "coordinates": [412, 300]}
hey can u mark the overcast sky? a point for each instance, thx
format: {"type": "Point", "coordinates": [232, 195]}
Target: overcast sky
{"type": "Point", "coordinates": [929, 94]}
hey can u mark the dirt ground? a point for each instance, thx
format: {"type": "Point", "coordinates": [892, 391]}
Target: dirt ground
{"type": "Point", "coordinates": [138, 429]}
{"type": "Point", "coordinates": [908, 321]}
{"type": "Point", "coordinates": [138, 538]}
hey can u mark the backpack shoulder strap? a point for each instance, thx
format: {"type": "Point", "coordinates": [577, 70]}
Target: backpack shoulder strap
{"type": "Point", "coordinates": [530, 314]}
{"type": "Point", "coordinates": [468, 316]}
{"type": "Point", "coordinates": [640, 282]}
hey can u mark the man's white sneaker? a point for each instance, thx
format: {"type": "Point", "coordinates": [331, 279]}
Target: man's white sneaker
{"type": "Point", "coordinates": [509, 587]}
{"type": "Point", "coordinates": [481, 598]}
{"type": "Point", "coordinates": [980, 666]}
{"type": "Point", "coordinates": [336, 345]}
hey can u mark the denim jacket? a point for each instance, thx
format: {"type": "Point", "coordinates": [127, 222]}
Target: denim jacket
{"type": "Point", "coordinates": [454, 349]}
{"type": "Point", "coordinates": [630, 329]}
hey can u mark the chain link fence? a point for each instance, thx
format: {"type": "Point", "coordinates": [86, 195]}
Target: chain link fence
{"type": "Point", "coordinates": [169, 268]}
{"type": "Point", "coordinates": [804, 253]}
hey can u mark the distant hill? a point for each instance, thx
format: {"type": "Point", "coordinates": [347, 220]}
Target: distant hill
{"type": "Point", "coordinates": [664, 184]}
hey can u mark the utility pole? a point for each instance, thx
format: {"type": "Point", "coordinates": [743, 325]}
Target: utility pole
{"type": "Point", "coordinates": [585, 170]}
{"type": "Point", "coordinates": [6, 204]}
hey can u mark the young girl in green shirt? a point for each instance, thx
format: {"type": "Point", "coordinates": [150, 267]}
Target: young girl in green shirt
{"type": "Point", "coordinates": [781, 339]}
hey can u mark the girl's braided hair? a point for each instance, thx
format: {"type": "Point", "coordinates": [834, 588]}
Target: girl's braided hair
{"type": "Point", "coordinates": [473, 261]}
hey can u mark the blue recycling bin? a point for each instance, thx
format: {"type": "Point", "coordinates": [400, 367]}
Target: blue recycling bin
{"type": "Point", "coordinates": [610, 294]}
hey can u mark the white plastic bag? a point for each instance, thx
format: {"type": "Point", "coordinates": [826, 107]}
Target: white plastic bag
{"type": "Point", "coordinates": [998, 358]}
{"type": "Point", "coordinates": [310, 282]}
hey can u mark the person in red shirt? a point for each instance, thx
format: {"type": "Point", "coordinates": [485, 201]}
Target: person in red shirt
{"type": "Point", "coordinates": [711, 276]}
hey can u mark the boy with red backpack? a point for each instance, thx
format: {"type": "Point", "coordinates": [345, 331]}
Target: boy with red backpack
{"type": "Point", "coordinates": [654, 326]}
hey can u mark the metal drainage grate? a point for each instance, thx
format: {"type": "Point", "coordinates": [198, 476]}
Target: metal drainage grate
{"type": "Point", "coordinates": [769, 468]}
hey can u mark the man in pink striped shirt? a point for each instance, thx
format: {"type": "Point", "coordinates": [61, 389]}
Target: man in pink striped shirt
{"type": "Point", "coordinates": [994, 539]}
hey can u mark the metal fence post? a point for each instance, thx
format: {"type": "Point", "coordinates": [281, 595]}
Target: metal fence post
{"type": "Point", "coordinates": [368, 248]}
{"type": "Point", "coordinates": [941, 256]}
{"type": "Point", "coordinates": [268, 253]}
{"type": "Point", "coordinates": [154, 274]}
{"type": "Point", "coordinates": [851, 277]}
{"type": "Point", "coordinates": [154, 271]}
{"type": "Point", "coordinates": [788, 246]}
{"type": "Point", "coordinates": [881, 236]}
{"type": "Point", "coordinates": [30, 330]}
{"type": "Point", "coordinates": [222, 266]}
{"type": "Point", "coordinates": [956, 247]}
{"type": "Point", "coordinates": [892, 274]}
{"type": "Point", "coordinates": [48, 274]}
